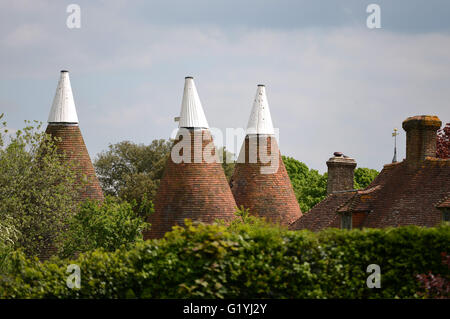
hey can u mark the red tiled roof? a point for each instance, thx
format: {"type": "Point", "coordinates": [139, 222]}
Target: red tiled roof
{"type": "Point", "coordinates": [265, 194]}
{"type": "Point", "coordinates": [197, 191]}
{"type": "Point", "coordinates": [72, 144]}
{"type": "Point", "coordinates": [400, 195]}
{"type": "Point", "coordinates": [324, 213]}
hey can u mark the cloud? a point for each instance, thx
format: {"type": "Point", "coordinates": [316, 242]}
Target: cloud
{"type": "Point", "coordinates": [329, 88]}
{"type": "Point", "coordinates": [25, 36]}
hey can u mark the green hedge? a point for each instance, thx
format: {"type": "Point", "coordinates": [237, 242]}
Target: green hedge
{"type": "Point", "coordinates": [250, 260]}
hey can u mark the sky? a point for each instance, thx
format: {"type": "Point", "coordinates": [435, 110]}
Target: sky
{"type": "Point", "coordinates": [332, 83]}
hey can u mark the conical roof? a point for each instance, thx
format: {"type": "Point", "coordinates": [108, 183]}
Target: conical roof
{"type": "Point", "coordinates": [63, 123]}
{"type": "Point", "coordinates": [192, 114]}
{"type": "Point", "coordinates": [63, 108]}
{"type": "Point", "coordinates": [260, 181]}
{"type": "Point", "coordinates": [260, 121]}
{"type": "Point", "coordinates": [194, 186]}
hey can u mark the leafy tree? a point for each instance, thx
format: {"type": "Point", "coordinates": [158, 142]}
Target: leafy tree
{"type": "Point", "coordinates": [310, 187]}
{"type": "Point", "coordinates": [108, 225]}
{"type": "Point", "coordinates": [364, 176]}
{"type": "Point", "coordinates": [227, 162]}
{"type": "Point", "coordinates": [8, 239]}
{"type": "Point", "coordinates": [132, 171]}
{"type": "Point", "coordinates": [443, 142]}
{"type": "Point", "coordinates": [37, 189]}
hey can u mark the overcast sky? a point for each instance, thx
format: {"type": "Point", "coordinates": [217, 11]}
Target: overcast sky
{"type": "Point", "coordinates": [332, 83]}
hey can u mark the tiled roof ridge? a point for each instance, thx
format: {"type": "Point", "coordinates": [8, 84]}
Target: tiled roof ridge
{"type": "Point", "coordinates": [323, 201]}
{"type": "Point", "coordinates": [392, 165]}
{"type": "Point", "coordinates": [369, 190]}
{"type": "Point", "coordinates": [344, 191]}
{"type": "Point", "coordinates": [430, 159]}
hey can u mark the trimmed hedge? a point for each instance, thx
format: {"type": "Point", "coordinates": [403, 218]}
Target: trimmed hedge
{"type": "Point", "coordinates": [250, 260]}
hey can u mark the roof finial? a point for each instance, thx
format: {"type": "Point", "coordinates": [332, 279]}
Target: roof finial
{"type": "Point", "coordinates": [63, 108]}
{"type": "Point", "coordinates": [394, 134]}
{"type": "Point", "coordinates": [260, 121]}
{"type": "Point", "coordinates": [192, 115]}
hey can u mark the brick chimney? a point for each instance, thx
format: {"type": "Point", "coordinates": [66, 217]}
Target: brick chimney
{"type": "Point", "coordinates": [420, 137]}
{"type": "Point", "coordinates": [341, 170]}
{"type": "Point", "coordinates": [259, 182]}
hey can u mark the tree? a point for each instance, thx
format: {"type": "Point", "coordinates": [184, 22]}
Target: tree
{"type": "Point", "coordinates": [310, 187]}
{"type": "Point", "coordinates": [8, 238]}
{"type": "Point", "coordinates": [227, 162]}
{"type": "Point", "coordinates": [132, 171]}
{"type": "Point", "coordinates": [364, 176]}
{"type": "Point", "coordinates": [108, 225]}
{"type": "Point", "coordinates": [443, 142]}
{"type": "Point", "coordinates": [37, 189]}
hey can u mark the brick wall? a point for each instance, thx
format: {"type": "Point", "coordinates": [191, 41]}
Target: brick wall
{"type": "Point", "coordinates": [341, 171]}
{"type": "Point", "coordinates": [420, 137]}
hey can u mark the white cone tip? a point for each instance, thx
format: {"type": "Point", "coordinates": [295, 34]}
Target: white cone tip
{"type": "Point", "coordinates": [63, 108]}
{"type": "Point", "coordinates": [260, 121]}
{"type": "Point", "coordinates": [192, 114]}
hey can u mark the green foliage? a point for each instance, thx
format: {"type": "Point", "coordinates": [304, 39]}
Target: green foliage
{"type": "Point", "coordinates": [248, 259]}
{"type": "Point", "coordinates": [227, 162]}
{"type": "Point", "coordinates": [310, 187]}
{"type": "Point", "coordinates": [8, 239]}
{"type": "Point", "coordinates": [132, 171]}
{"type": "Point", "coordinates": [364, 176]}
{"type": "Point", "coordinates": [107, 225]}
{"type": "Point", "coordinates": [37, 189]}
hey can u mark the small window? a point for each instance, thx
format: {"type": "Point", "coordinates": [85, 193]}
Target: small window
{"type": "Point", "coordinates": [446, 215]}
{"type": "Point", "coordinates": [346, 221]}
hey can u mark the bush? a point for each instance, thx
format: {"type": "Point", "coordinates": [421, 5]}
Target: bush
{"type": "Point", "coordinates": [249, 259]}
